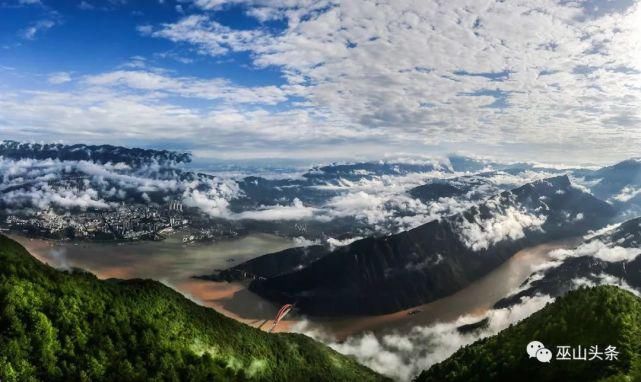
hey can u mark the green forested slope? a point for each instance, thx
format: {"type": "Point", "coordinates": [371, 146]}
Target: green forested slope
{"type": "Point", "coordinates": [602, 316]}
{"type": "Point", "coordinates": [61, 326]}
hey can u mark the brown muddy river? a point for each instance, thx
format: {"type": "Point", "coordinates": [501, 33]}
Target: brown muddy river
{"type": "Point", "coordinates": [173, 263]}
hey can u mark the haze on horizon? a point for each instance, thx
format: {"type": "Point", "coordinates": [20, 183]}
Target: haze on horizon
{"type": "Point", "coordinates": [548, 81]}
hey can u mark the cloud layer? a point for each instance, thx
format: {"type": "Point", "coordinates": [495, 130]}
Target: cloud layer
{"type": "Point", "coordinates": [403, 355]}
{"type": "Point", "coordinates": [511, 78]}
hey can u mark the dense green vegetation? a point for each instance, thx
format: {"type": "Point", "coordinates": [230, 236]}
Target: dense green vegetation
{"type": "Point", "coordinates": [62, 326]}
{"type": "Point", "coordinates": [602, 316]}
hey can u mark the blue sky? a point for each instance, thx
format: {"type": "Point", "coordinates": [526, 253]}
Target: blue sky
{"type": "Point", "coordinates": [319, 80]}
{"type": "Point", "coordinates": [104, 37]}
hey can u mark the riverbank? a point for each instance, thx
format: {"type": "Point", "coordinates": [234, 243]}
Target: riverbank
{"type": "Point", "coordinates": [174, 264]}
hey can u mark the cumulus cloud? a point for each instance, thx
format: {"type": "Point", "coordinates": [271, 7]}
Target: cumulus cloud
{"type": "Point", "coordinates": [626, 194]}
{"type": "Point", "coordinates": [27, 183]}
{"type": "Point", "coordinates": [370, 203]}
{"type": "Point", "coordinates": [520, 178]}
{"type": "Point", "coordinates": [211, 202]}
{"type": "Point", "coordinates": [43, 184]}
{"type": "Point", "coordinates": [38, 27]}
{"type": "Point", "coordinates": [218, 89]}
{"type": "Point", "coordinates": [597, 245]}
{"type": "Point", "coordinates": [383, 203]}
{"type": "Point", "coordinates": [601, 231]}
{"type": "Point", "coordinates": [604, 279]}
{"type": "Point", "coordinates": [303, 242]}
{"type": "Point", "coordinates": [503, 223]}
{"type": "Point", "coordinates": [468, 87]}
{"type": "Point", "coordinates": [533, 79]}
{"type": "Point", "coordinates": [210, 36]}
{"type": "Point", "coordinates": [335, 243]}
{"type": "Point", "coordinates": [599, 250]}
{"type": "Point", "coordinates": [59, 78]}
{"type": "Point", "coordinates": [295, 211]}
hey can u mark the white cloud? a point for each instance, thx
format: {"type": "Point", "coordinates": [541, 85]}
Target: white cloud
{"type": "Point", "coordinates": [527, 176]}
{"type": "Point", "coordinates": [382, 202]}
{"type": "Point", "coordinates": [599, 232]}
{"type": "Point", "coordinates": [335, 243]}
{"type": "Point", "coordinates": [403, 355]}
{"type": "Point", "coordinates": [599, 250]}
{"type": "Point", "coordinates": [221, 89]}
{"type": "Point", "coordinates": [42, 184]}
{"type": "Point", "coordinates": [59, 78]}
{"type": "Point", "coordinates": [36, 28]}
{"type": "Point", "coordinates": [604, 279]}
{"type": "Point", "coordinates": [210, 202]}
{"type": "Point", "coordinates": [210, 36]}
{"type": "Point", "coordinates": [627, 193]}
{"type": "Point", "coordinates": [530, 79]}
{"type": "Point", "coordinates": [506, 222]}
{"type": "Point", "coordinates": [477, 58]}
{"type": "Point", "coordinates": [295, 211]}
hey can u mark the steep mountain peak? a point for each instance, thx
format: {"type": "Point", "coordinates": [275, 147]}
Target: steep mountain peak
{"type": "Point", "coordinates": [545, 186]}
{"type": "Point", "coordinates": [626, 165]}
{"type": "Point", "coordinates": [437, 258]}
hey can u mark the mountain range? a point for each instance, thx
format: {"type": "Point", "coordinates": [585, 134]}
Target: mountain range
{"type": "Point", "coordinates": [610, 256]}
{"type": "Point", "coordinates": [377, 237]}
{"type": "Point", "coordinates": [99, 154]}
{"type": "Point", "coordinates": [391, 273]}
{"type": "Point", "coordinates": [338, 200]}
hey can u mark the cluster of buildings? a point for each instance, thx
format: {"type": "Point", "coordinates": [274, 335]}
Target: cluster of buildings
{"type": "Point", "coordinates": [126, 222]}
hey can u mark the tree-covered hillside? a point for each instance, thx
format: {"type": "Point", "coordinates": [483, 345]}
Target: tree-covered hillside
{"type": "Point", "coordinates": [62, 326]}
{"type": "Point", "coordinates": [602, 316]}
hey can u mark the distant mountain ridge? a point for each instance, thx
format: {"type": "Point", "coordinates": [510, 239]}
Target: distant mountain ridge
{"type": "Point", "coordinates": [99, 154]}
{"type": "Point", "coordinates": [338, 200]}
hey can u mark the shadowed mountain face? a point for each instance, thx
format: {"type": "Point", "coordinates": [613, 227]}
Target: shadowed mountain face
{"type": "Point", "coordinates": [613, 179]}
{"type": "Point", "coordinates": [602, 316]}
{"type": "Point", "coordinates": [380, 275]}
{"type": "Point", "coordinates": [609, 258]}
{"type": "Point", "coordinates": [99, 184]}
{"type": "Point", "coordinates": [434, 191]}
{"type": "Point", "coordinates": [271, 265]}
{"type": "Point", "coordinates": [619, 185]}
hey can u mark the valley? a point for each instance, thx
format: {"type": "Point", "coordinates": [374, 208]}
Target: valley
{"type": "Point", "coordinates": [175, 264]}
{"type": "Point", "coordinates": [395, 264]}
{"type": "Point", "coordinates": [323, 191]}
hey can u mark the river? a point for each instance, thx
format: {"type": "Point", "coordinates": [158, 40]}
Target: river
{"type": "Point", "coordinates": [174, 264]}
